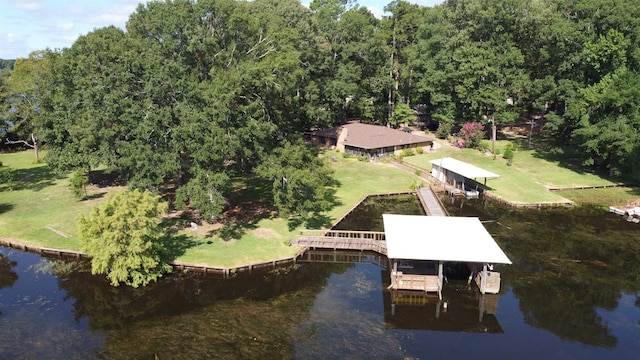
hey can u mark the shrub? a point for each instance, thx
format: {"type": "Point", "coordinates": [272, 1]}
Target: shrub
{"type": "Point", "coordinates": [347, 155]}
{"type": "Point", "coordinates": [125, 238]}
{"type": "Point", "coordinates": [363, 158]}
{"type": "Point", "coordinates": [6, 176]}
{"type": "Point", "coordinates": [385, 160]}
{"type": "Point", "coordinates": [444, 130]}
{"type": "Point", "coordinates": [471, 134]}
{"type": "Point", "coordinates": [484, 145]}
{"type": "Point", "coordinates": [78, 183]}
{"type": "Point", "coordinates": [508, 154]}
{"type": "Point", "coordinates": [420, 151]}
{"type": "Point", "coordinates": [415, 185]}
{"type": "Point", "coordinates": [406, 152]}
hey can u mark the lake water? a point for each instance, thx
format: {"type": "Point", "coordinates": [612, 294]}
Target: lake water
{"type": "Point", "coordinates": [573, 292]}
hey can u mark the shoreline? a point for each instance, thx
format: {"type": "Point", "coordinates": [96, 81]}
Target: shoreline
{"type": "Point", "coordinates": [177, 265]}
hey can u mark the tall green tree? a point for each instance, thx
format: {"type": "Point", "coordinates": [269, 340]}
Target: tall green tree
{"type": "Point", "coordinates": [24, 90]}
{"type": "Point", "coordinates": [401, 31]}
{"type": "Point", "coordinates": [300, 179]}
{"type": "Point", "coordinates": [124, 238]}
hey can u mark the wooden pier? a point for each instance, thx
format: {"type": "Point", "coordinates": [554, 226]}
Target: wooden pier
{"type": "Point", "coordinates": [363, 240]}
{"type": "Point", "coordinates": [342, 239]}
{"type": "Point", "coordinates": [430, 202]}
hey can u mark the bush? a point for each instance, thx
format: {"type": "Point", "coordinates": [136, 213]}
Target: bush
{"type": "Point", "coordinates": [347, 155]}
{"type": "Point", "coordinates": [415, 185]}
{"type": "Point", "coordinates": [420, 151]}
{"type": "Point", "coordinates": [406, 152]}
{"type": "Point", "coordinates": [471, 134]}
{"type": "Point", "coordinates": [385, 160]}
{"type": "Point", "coordinates": [78, 183]}
{"type": "Point", "coordinates": [444, 130]}
{"type": "Point", "coordinates": [6, 176]}
{"type": "Point", "coordinates": [484, 145]}
{"type": "Point", "coordinates": [508, 153]}
{"type": "Point", "coordinates": [363, 158]}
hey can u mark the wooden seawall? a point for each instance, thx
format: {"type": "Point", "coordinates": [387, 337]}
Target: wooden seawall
{"type": "Point", "coordinates": [207, 269]}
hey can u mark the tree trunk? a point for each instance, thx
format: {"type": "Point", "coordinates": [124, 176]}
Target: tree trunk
{"type": "Point", "coordinates": [35, 146]}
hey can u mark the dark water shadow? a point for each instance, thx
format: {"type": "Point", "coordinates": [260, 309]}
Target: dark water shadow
{"type": "Point", "coordinates": [7, 276]}
{"type": "Point", "coordinates": [568, 265]}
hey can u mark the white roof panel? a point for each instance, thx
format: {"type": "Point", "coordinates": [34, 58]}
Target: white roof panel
{"type": "Point", "coordinates": [467, 170]}
{"type": "Point", "coordinates": [459, 239]}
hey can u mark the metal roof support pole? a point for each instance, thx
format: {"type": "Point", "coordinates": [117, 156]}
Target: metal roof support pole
{"type": "Point", "coordinates": [483, 281]}
{"type": "Point", "coordinates": [440, 278]}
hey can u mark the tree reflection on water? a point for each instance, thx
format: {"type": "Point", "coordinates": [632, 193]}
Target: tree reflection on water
{"type": "Point", "coordinates": [197, 315]}
{"type": "Point", "coordinates": [567, 265]}
{"type": "Point", "coordinates": [575, 274]}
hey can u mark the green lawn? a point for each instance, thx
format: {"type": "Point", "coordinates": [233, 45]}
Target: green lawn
{"type": "Point", "coordinates": [267, 239]}
{"type": "Point", "coordinates": [36, 207]}
{"type": "Point", "coordinates": [39, 209]}
{"type": "Point", "coordinates": [526, 181]}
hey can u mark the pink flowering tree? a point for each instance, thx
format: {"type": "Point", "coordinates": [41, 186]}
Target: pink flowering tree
{"type": "Point", "coordinates": [471, 134]}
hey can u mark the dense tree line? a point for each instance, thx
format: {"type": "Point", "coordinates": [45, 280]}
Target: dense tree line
{"type": "Point", "coordinates": [196, 93]}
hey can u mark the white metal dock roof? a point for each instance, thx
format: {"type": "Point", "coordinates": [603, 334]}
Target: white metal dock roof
{"type": "Point", "coordinates": [459, 239]}
{"type": "Point", "coordinates": [459, 167]}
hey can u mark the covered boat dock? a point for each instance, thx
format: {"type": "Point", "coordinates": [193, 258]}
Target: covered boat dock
{"type": "Point", "coordinates": [460, 178]}
{"type": "Point", "coordinates": [418, 246]}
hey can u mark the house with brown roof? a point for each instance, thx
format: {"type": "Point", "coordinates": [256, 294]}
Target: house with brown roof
{"type": "Point", "coordinates": [366, 139]}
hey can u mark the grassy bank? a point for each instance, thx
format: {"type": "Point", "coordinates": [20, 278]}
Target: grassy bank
{"type": "Point", "coordinates": [527, 180]}
{"type": "Point", "coordinates": [38, 209]}
{"type": "Point", "coordinates": [267, 238]}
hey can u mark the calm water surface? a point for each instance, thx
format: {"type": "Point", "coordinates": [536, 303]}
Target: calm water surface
{"type": "Point", "coordinates": [573, 292]}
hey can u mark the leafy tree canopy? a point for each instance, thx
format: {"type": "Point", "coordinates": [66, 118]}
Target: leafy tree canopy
{"type": "Point", "coordinates": [124, 238]}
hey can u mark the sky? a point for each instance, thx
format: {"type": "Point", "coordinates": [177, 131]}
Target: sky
{"type": "Point", "coordinates": [29, 25]}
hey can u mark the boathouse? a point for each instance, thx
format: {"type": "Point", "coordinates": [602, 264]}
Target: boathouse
{"type": "Point", "coordinates": [418, 246]}
{"type": "Point", "coordinates": [460, 178]}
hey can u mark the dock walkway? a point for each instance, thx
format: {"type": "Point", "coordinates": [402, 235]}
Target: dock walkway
{"type": "Point", "coordinates": [430, 202]}
{"type": "Point", "coordinates": [363, 240]}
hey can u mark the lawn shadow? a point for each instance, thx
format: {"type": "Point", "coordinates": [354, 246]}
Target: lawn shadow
{"type": "Point", "coordinates": [572, 159]}
{"type": "Point", "coordinates": [35, 179]}
{"type": "Point", "coordinates": [4, 207]}
{"type": "Point", "coordinates": [318, 219]}
{"type": "Point", "coordinates": [176, 245]}
{"type": "Point", "coordinates": [315, 221]}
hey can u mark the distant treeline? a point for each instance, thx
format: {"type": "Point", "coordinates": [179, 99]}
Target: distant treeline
{"type": "Point", "coordinates": [6, 66]}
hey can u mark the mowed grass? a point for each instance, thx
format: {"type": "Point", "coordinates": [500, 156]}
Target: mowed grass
{"type": "Point", "coordinates": [38, 208]}
{"type": "Point", "coordinates": [268, 238]}
{"type": "Point", "coordinates": [527, 180]}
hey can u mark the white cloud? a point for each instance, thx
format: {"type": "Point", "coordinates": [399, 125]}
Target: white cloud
{"type": "Point", "coordinates": [376, 11]}
{"type": "Point", "coordinates": [12, 46]}
{"type": "Point", "coordinates": [28, 6]}
{"type": "Point", "coordinates": [66, 27]}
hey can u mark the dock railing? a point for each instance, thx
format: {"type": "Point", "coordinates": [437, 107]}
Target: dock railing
{"type": "Point", "coordinates": [342, 239]}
